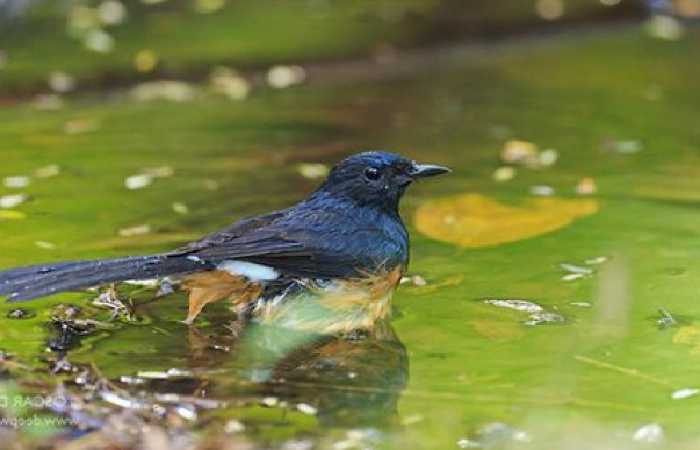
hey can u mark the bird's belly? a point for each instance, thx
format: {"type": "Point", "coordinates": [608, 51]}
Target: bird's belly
{"type": "Point", "coordinates": [329, 306]}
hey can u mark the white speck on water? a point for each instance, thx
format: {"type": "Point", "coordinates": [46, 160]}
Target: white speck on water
{"type": "Point", "coordinates": [139, 181]}
{"type": "Point", "coordinates": [518, 305]}
{"type": "Point", "coordinates": [111, 12]}
{"type": "Point", "coordinates": [680, 394]}
{"type": "Point", "coordinates": [45, 245]}
{"type": "Point", "coordinates": [573, 276]}
{"type": "Point", "coordinates": [12, 200]}
{"type": "Point", "coordinates": [269, 401]}
{"type": "Point", "coordinates": [544, 318]}
{"type": "Point", "coordinates": [111, 397]}
{"type": "Point", "coordinates": [597, 260]}
{"type": "Point", "coordinates": [160, 172]}
{"type": "Point", "coordinates": [307, 409]}
{"type": "Point", "coordinates": [313, 171]}
{"type": "Point", "coordinates": [285, 76]}
{"type": "Point", "coordinates": [99, 41]}
{"type": "Point", "coordinates": [49, 171]}
{"type": "Point", "coordinates": [234, 426]}
{"type": "Point", "coordinates": [572, 268]}
{"type": "Point", "coordinates": [468, 443]}
{"type": "Point", "coordinates": [61, 82]}
{"type": "Point", "coordinates": [135, 231]}
{"type": "Point", "coordinates": [16, 182]}
{"type": "Point", "coordinates": [651, 433]}
{"type": "Point", "coordinates": [542, 191]}
{"type": "Point", "coordinates": [180, 208]}
{"type": "Point", "coordinates": [504, 173]}
{"type": "Point", "coordinates": [548, 157]}
{"type": "Point", "coordinates": [187, 412]}
{"type": "Point", "coordinates": [581, 304]}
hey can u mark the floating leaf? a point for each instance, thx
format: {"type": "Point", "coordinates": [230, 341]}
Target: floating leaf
{"type": "Point", "coordinates": [473, 220]}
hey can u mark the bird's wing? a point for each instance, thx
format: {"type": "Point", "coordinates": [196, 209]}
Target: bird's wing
{"type": "Point", "coordinates": [271, 240]}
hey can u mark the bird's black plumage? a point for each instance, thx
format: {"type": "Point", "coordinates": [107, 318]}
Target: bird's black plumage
{"type": "Point", "coordinates": [349, 227]}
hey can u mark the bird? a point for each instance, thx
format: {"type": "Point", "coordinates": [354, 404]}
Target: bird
{"type": "Point", "coordinates": [330, 263]}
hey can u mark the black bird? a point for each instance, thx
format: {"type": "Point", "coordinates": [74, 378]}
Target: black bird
{"type": "Point", "coordinates": [341, 250]}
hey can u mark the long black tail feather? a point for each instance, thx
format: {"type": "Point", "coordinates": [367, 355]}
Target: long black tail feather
{"type": "Point", "coordinates": [27, 283]}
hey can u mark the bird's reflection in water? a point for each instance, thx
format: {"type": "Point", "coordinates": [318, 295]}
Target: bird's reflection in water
{"type": "Point", "coordinates": [353, 379]}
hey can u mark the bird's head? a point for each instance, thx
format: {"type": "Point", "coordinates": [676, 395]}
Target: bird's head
{"type": "Point", "coordinates": [376, 178]}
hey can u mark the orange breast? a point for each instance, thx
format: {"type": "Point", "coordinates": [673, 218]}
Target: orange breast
{"type": "Point", "coordinates": [336, 306]}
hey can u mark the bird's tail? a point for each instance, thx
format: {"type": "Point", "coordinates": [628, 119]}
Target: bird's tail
{"type": "Point", "coordinates": [27, 283]}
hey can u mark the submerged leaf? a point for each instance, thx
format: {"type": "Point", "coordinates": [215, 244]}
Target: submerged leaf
{"type": "Point", "coordinates": [473, 220]}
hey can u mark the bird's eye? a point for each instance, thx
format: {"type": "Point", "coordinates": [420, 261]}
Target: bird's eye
{"type": "Point", "coordinates": [372, 173]}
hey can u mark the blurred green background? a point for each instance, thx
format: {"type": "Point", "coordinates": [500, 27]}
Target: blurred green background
{"type": "Point", "coordinates": [129, 127]}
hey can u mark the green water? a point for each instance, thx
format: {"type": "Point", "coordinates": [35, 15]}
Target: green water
{"type": "Point", "coordinates": [448, 364]}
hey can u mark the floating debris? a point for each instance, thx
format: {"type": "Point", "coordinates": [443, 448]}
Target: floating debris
{"type": "Point", "coordinates": [122, 402]}
{"type": "Point", "coordinates": [45, 245]}
{"type": "Point", "coordinates": [549, 9]}
{"type": "Point", "coordinates": [49, 171]}
{"type": "Point", "coordinates": [573, 276]}
{"type": "Point", "coordinates": [313, 171]}
{"type": "Point", "coordinates": [180, 208]}
{"type": "Point", "coordinates": [542, 191]}
{"type": "Point", "coordinates": [473, 220]}
{"type": "Point", "coordinates": [504, 173]}
{"type": "Point", "coordinates": [681, 394]}
{"type": "Point", "coordinates": [537, 314]}
{"type": "Point", "coordinates": [174, 91]}
{"type": "Point", "coordinates": [270, 402]}
{"type": "Point", "coordinates": [307, 409]}
{"type": "Point", "coordinates": [234, 426]}
{"type": "Point", "coordinates": [494, 434]}
{"type": "Point", "coordinates": [139, 181]}
{"type": "Point", "coordinates": [160, 172]}
{"type": "Point", "coordinates": [586, 186]}
{"type": "Point", "coordinates": [544, 318]}
{"type": "Point", "coordinates": [111, 12]}
{"type": "Point", "coordinates": [228, 82]}
{"type": "Point", "coordinates": [548, 157]}
{"type": "Point", "coordinates": [12, 200]}
{"type": "Point", "coordinates": [624, 147]}
{"type": "Point", "coordinates": [19, 313]}
{"type": "Point", "coordinates": [98, 41]}
{"type": "Point", "coordinates": [572, 268]}
{"type": "Point", "coordinates": [47, 102]}
{"type": "Point", "coordinates": [131, 380]}
{"type": "Point", "coordinates": [666, 320]}
{"type": "Point", "coordinates": [61, 82]}
{"type": "Point", "coordinates": [16, 182]}
{"type": "Point", "coordinates": [159, 375]}
{"type": "Point", "coordinates": [135, 231]}
{"type": "Point", "coordinates": [208, 6]}
{"type": "Point", "coordinates": [285, 76]}
{"type": "Point", "coordinates": [145, 60]}
{"type": "Point", "coordinates": [597, 260]}
{"type": "Point", "coordinates": [518, 305]}
{"type": "Point", "coordinates": [187, 412]}
{"type": "Point", "coordinates": [520, 152]}
{"type": "Point", "coordinates": [80, 126]}
{"type": "Point", "coordinates": [651, 433]}
{"type": "Point", "coordinates": [581, 304]}
{"type": "Point", "coordinates": [665, 27]}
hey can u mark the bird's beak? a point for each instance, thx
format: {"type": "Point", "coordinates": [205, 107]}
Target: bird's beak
{"type": "Point", "coordinates": [427, 170]}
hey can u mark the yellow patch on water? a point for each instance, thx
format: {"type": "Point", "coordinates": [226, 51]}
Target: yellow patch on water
{"type": "Point", "coordinates": [688, 335]}
{"type": "Point", "coordinates": [11, 215]}
{"type": "Point", "coordinates": [474, 220]}
{"type": "Point", "coordinates": [497, 330]}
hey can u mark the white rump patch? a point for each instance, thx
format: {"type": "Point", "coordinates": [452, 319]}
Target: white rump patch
{"type": "Point", "coordinates": [255, 272]}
